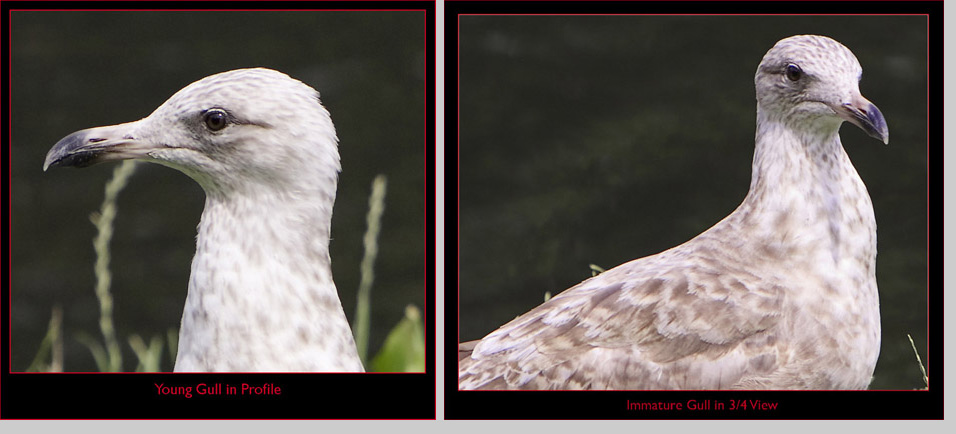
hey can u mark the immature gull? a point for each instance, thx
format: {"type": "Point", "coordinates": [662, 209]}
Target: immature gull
{"type": "Point", "coordinates": [262, 146]}
{"type": "Point", "coordinates": [780, 294]}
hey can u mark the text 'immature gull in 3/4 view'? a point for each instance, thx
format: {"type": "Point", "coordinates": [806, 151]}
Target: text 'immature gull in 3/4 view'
{"type": "Point", "coordinates": [262, 146]}
{"type": "Point", "coordinates": [780, 294]}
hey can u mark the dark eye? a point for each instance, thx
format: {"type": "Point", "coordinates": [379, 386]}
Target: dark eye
{"type": "Point", "coordinates": [215, 119]}
{"type": "Point", "coordinates": [793, 72]}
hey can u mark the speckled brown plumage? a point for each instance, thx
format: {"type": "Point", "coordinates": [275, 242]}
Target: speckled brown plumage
{"type": "Point", "coordinates": [780, 294]}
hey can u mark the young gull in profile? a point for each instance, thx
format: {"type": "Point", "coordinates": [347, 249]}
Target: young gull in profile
{"type": "Point", "coordinates": [780, 294]}
{"type": "Point", "coordinates": [262, 146]}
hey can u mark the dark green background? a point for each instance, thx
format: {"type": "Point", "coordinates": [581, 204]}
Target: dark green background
{"type": "Point", "coordinates": [601, 139]}
{"type": "Point", "coordinates": [75, 70]}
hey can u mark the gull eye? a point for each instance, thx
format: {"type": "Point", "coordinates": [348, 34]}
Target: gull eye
{"type": "Point", "coordinates": [215, 119]}
{"type": "Point", "coordinates": [793, 72]}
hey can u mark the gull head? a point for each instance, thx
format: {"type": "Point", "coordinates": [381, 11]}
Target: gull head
{"type": "Point", "coordinates": [814, 80]}
{"type": "Point", "coordinates": [238, 130]}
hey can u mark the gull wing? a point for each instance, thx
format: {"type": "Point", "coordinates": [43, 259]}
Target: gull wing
{"type": "Point", "coordinates": [701, 325]}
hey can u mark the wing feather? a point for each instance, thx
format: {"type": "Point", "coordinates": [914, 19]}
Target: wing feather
{"type": "Point", "coordinates": [640, 325]}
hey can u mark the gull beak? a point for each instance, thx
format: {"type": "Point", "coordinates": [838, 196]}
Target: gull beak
{"type": "Point", "coordinates": [864, 114]}
{"type": "Point", "coordinates": [96, 145]}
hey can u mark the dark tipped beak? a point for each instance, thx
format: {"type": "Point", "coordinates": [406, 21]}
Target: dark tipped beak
{"type": "Point", "coordinates": [865, 115]}
{"type": "Point", "coordinates": [96, 145]}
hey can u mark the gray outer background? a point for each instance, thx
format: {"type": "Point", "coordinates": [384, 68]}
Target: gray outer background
{"type": "Point", "coordinates": [75, 70]}
{"type": "Point", "coordinates": [600, 139]}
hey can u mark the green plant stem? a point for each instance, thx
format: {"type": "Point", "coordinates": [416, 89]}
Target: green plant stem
{"type": "Point", "coordinates": [52, 345]}
{"type": "Point", "coordinates": [104, 227]}
{"type": "Point", "coordinates": [376, 206]}
{"type": "Point", "coordinates": [149, 356]}
{"type": "Point", "coordinates": [919, 360]}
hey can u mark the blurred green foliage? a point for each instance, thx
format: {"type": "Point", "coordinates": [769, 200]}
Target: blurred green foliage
{"type": "Point", "coordinates": [404, 348]}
